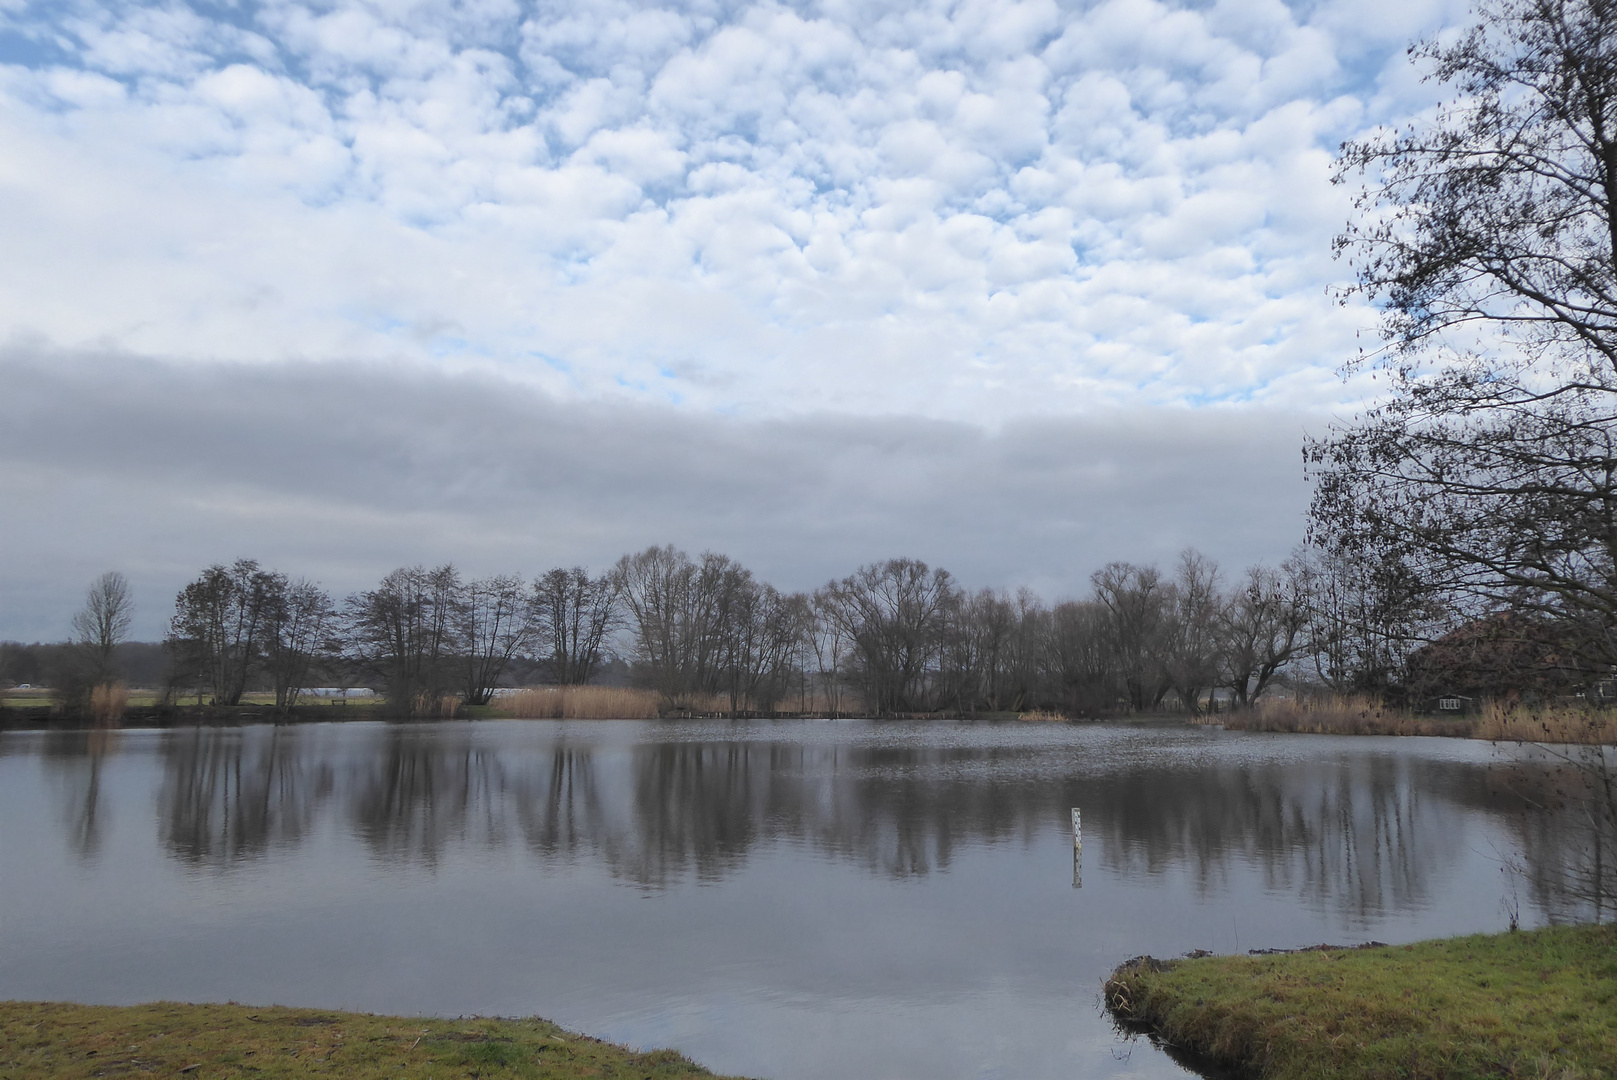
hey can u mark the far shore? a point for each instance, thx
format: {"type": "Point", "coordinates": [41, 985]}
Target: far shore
{"type": "Point", "coordinates": [1575, 723]}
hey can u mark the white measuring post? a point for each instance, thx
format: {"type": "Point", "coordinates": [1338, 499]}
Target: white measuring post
{"type": "Point", "coordinates": [1077, 849]}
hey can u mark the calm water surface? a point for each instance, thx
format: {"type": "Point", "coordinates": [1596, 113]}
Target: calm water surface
{"type": "Point", "coordinates": [790, 900]}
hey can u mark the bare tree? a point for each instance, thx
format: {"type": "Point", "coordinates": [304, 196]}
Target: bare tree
{"type": "Point", "coordinates": [1263, 627]}
{"type": "Point", "coordinates": [832, 646]}
{"type": "Point", "coordinates": [102, 624]}
{"type": "Point", "coordinates": [895, 614]}
{"type": "Point", "coordinates": [1134, 599]}
{"type": "Point", "coordinates": [218, 629]}
{"type": "Point", "coordinates": [1081, 657]}
{"type": "Point", "coordinates": [656, 589]}
{"type": "Point", "coordinates": [405, 632]}
{"type": "Point", "coordinates": [574, 614]}
{"type": "Point", "coordinates": [495, 624]}
{"type": "Point", "coordinates": [300, 625]}
{"type": "Point", "coordinates": [1192, 648]}
{"type": "Point", "coordinates": [683, 615]}
{"type": "Point", "coordinates": [763, 630]}
{"type": "Point", "coordinates": [1488, 235]}
{"type": "Point", "coordinates": [1365, 615]}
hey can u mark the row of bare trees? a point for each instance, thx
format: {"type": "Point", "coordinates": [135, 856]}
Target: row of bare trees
{"type": "Point", "coordinates": [422, 633]}
{"type": "Point", "coordinates": [899, 636]}
{"type": "Point", "coordinates": [893, 637]}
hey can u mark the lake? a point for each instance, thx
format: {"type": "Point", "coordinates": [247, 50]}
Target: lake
{"type": "Point", "coordinates": [791, 900]}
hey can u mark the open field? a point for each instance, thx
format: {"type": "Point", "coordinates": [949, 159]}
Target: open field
{"type": "Point", "coordinates": [1537, 1004]}
{"type": "Point", "coordinates": [47, 1041]}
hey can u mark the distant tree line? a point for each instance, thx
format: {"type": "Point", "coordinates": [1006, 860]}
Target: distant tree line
{"type": "Point", "coordinates": [893, 637]}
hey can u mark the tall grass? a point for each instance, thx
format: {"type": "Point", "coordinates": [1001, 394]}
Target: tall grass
{"type": "Point", "coordinates": [1338, 715]}
{"type": "Point", "coordinates": [578, 703]}
{"type": "Point", "coordinates": [108, 702]}
{"type": "Point", "coordinates": [435, 706]}
{"type": "Point", "coordinates": [1364, 715]}
{"type": "Point", "coordinates": [1503, 722]}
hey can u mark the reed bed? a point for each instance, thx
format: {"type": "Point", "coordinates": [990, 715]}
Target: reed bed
{"type": "Point", "coordinates": [108, 702]}
{"type": "Point", "coordinates": [1041, 716]}
{"type": "Point", "coordinates": [435, 706]}
{"type": "Point", "coordinates": [1339, 715]}
{"type": "Point", "coordinates": [578, 703]}
{"type": "Point", "coordinates": [1575, 724]}
{"type": "Point", "coordinates": [1364, 715]}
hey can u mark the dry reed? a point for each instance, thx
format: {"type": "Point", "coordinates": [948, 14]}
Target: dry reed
{"type": "Point", "coordinates": [434, 706]}
{"type": "Point", "coordinates": [108, 702]}
{"type": "Point", "coordinates": [1338, 715]}
{"type": "Point", "coordinates": [578, 703]}
{"type": "Point", "coordinates": [1505, 722]}
{"type": "Point", "coordinates": [1041, 716]}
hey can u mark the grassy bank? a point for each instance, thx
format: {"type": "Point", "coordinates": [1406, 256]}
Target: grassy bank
{"type": "Point", "coordinates": [1537, 1004]}
{"type": "Point", "coordinates": [44, 1041]}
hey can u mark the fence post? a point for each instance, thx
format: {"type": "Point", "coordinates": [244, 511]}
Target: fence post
{"type": "Point", "coordinates": [1077, 849]}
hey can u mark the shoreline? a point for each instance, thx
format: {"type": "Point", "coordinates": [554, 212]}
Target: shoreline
{"type": "Point", "coordinates": [1539, 1003]}
{"type": "Point", "coordinates": [48, 718]}
{"type": "Point", "coordinates": [66, 1041]}
{"type": "Point", "coordinates": [1594, 730]}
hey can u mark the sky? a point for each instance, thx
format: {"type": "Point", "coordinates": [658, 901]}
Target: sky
{"type": "Point", "coordinates": [1018, 288]}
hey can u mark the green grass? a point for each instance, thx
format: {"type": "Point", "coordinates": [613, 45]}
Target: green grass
{"type": "Point", "coordinates": [49, 1041]}
{"type": "Point", "coordinates": [1539, 1004]}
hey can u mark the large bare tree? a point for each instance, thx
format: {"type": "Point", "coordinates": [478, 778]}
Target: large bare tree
{"type": "Point", "coordinates": [895, 613]}
{"type": "Point", "coordinates": [102, 623]}
{"type": "Point", "coordinates": [1135, 601]}
{"type": "Point", "coordinates": [405, 632]}
{"type": "Point", "coordinates": [1264, 625]}
{"type": "Point", "coordinates": [574, 615]}
{"type": "Point", "coordinates": [1193, 647]}
{"type": "Point", "coordinates": [1488, 236]}
{"type": "Point", "coordinates": [1487, 233]}
{"type": "Point", "coordinates": [219, 623]}
{"type": "Point", "coordinates": [495, 625]}
{"type": "Point", "coordinates": [299, 632]}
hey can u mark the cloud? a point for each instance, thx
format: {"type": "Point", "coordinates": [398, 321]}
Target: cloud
{"type": "Point", "coordinates": [1014, 287]}
{"type": "Point", "coordinates": [341, 471]}
{"type": "Point", "coordinates": [966, 212]}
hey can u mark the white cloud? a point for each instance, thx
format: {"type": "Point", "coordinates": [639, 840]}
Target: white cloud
{"type": "Point", "coordinates": [975, 209]}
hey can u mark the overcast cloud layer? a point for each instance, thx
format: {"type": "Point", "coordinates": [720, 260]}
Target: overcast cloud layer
{"type": "Point", "coordinates": [1013, 286]}
{"type": "Point", "coordinates": [340, 472]}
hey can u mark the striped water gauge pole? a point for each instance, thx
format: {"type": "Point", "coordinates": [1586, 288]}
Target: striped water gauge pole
{"type": "Point", "coordinates": [1077, 849]}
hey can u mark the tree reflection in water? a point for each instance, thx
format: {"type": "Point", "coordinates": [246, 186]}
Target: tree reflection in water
{"type": "Point", "coordinates": [230, 794]}
{"type": "Point", "coordinates": [76, 759]}
{"type": "Point", "coordinates": [1361, 833]}
{"type": "Point", "coordinates": [422, 790]}
{"type": "Point", "coordinates": [1568, 854]}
